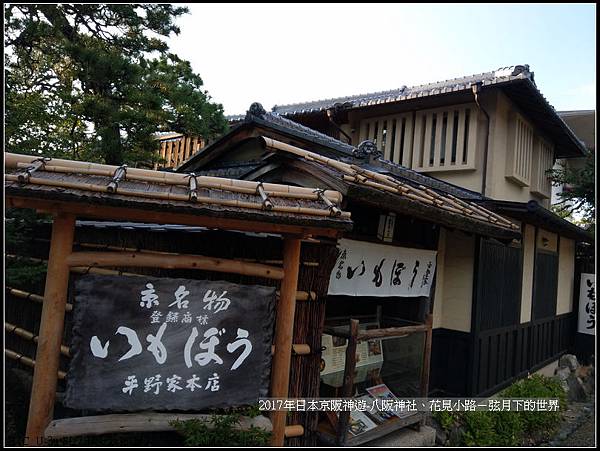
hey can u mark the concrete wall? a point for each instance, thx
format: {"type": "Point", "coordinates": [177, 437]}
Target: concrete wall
{"type": "Point", "coordinates": [547, 241]}
{"type": "Point", "coordinates": [548, 370]}
{"type": "Point", "coordinates": [566, 276]}
{"type": "Point", "coordinates": [502, 111]}
{"type": "Point", "coordinates": [454, 289]}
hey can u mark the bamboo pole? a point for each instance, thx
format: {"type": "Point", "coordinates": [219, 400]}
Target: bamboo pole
{"type": "Point", "coordinates": [387, 183]}
{"type": "Point", "coordinates": [32, 297]}
{"type": "Point", "coordinates": [170, 178]}
{"type": "Point", "coordinates": [27, 335]}
{"type": "Point", "coordinates": [139, 259]}
{"type": "Point", "coordinates": [284, 331]}
{"type": "Point", "coordinates": [28, 362]}
{"type": "Point", "coordinates": [294, 430]}
{"type": "Point", "coordinates": [43, 390]}
{"type": "Point", "coordinates": [297, 348]}
{"type": "Point", "coordinates": [300, 295]}
{"type": "Point", "coordinates": [178, 197]}
{"type": "Point", "coordinates": [30, 259]}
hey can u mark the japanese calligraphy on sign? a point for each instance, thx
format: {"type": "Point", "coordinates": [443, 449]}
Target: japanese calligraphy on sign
{"type": "Point", "coordinates": [587, 304]}
{"type": "Point", "coordinates": [370, 269]}
{"type": "Point", "coordinates": [156, 343]}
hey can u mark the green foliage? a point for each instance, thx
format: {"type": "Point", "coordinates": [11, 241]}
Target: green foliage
{"type": "Point", "coordinates": [579, 194]}
{"type": "Point", "coordinates": [508, 428]}
{"type": "Point", "coordinates": [446, 419]}
{"type": "Point", "coordinates": [221, 431]}
{"type": "Point", "coordinates": [479, 429]}
{"type": "Point", "coordinates": [537, 386]}
{"type": "Point", "coordinates": [19, 229]}
{"type": "Point", "coordinates": [96, 81]}
{"type": "Point", "coordinates": [22, 273]}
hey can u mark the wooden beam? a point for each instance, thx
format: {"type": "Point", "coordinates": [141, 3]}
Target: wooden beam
{"type": "Point", "coordinates": [43, 391]}
{"type": "Point", "coordinates": [284, 331]}
{"type": "Point", "coordinates": [165, 217]}
{"type": "Point", "coordinates": [149, 260]}
{"type": "Point", "coordinates": [148, 422]}
{"type": "Point", "coordinates": [348, 387]}
{"type": "Point", "coordinates": [427, 357]}
{"type": "Point", "coordinates": [136, 422]}
{"type": "Point", "coordinates": [391, 332]}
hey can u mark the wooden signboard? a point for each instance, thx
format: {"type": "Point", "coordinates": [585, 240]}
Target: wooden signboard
{"type": "Point", "coordinates": [142, 343]}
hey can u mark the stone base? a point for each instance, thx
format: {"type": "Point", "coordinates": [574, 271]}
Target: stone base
{"type": "Point", "coordinates": [406, 438]}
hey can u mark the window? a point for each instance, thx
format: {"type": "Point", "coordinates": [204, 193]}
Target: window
{"type": "Point", "coordinates": [520, 151]}
{"type": "Point", "coordinates": [543, 161]}
{"type": "Point", "coordinates": [445, 139]}
{"type": "Point", "coordinates": [392, 135]}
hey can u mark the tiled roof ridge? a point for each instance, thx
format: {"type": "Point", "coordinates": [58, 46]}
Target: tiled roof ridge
{"type": "Point", "coordinates": [256, 110]}
{"type": "Point", "coordinates": [502, 72]}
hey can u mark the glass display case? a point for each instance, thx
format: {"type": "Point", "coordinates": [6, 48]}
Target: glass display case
{"type": "Point", "coordinates": [368, 358]}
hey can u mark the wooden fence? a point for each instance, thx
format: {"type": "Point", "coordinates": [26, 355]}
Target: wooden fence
{"type": "Point", "coordinates": [505, 354]}
{"type": "Point", "coordinates": [176, 148]}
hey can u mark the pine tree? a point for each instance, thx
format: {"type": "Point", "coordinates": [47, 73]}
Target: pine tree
{"type": "Point", "coordinates": [96, 81]}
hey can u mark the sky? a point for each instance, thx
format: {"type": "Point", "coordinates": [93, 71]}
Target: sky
{"type": "Point", "coordinates": [279, 54]}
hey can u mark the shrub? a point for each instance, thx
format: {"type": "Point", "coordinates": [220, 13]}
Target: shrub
{"type": "Point", "coordinates": [221, 431]}
{"type": "Point", "coordinates": [508, 428]}
{"type": "Point", "coordinates": [479, 429]}
{"type": "Point", "coordinates": [446, 419]}
{"type": "Point", "coordinates": [537, 386]}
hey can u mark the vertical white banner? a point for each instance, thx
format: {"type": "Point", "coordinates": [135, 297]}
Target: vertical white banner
{"type": "Point", "coordinates": [587, 305]}
{"type": "Point", "coordinates": [370, 269]}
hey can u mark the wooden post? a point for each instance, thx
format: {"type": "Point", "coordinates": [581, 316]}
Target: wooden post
{"type": "Point", "coordinates": [348, 388]}
{"type": "Point", "coordinates": [284, 331]}
{"type": "Point", "coordinates": [426, 356]}
{"type": "Point", "coordinates": [43, 391]}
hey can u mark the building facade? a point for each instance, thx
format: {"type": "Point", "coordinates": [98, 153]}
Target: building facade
{"type": "Point", "coordinates": [494, 134]}
{"type": "Point", "coordinates": [502, 308]}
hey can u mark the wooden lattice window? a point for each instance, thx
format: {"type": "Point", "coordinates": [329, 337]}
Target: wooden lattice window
{"type": "Point", "coordinates": [445, 139]}
{"type": "Point", "coordinates": [543, 161]}
{"type": "Point", "coordinates": [521, 140]}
